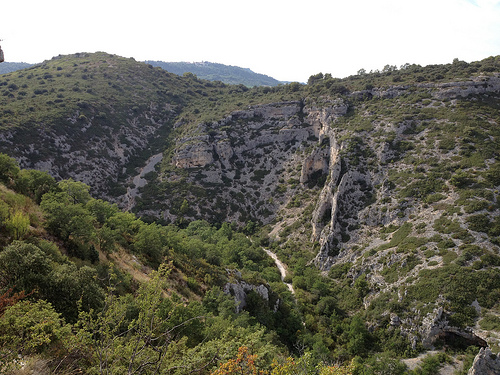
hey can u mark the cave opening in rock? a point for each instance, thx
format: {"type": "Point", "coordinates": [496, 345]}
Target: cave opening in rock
{"type": "Point", "coordinates": [454, 341]}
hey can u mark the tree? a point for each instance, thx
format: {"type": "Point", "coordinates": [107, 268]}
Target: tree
{"type": "Point", "coordinates": [124, 226]}
{"type": "Point", "coordinates": [149, 241]}
{"type": "Point", "coordinates": [389, 68]}
{"type": "Point", "coordinates": [8, 169]}
{"type": "Point", "coordinates": [9, 298]}
{"type": "Point", "coordinates": [122, 344]}
{"type": "Point", "coordinates": [72, 222]}
{"type": "Point", "coordinates": [243, 364]}
{"type": "Point", "coordinates": [24, 266]}
{"type": "Point", "coordinates": [17, 224]}
{"type": "Point", "coordinates": [34, 184]}
{"type": "Point", "coordinates": [295, 366]}
{"type": "Point", "coordinates": [337, 369]}
{"type": "Point", "coordinates": [184, 207]}
{"type": "Point", "coordinates": [359, 337]}
{"type": "Point", "coordinates": [102, 210]}
{"type": "Point", "coordinates": [77, 191]}
{"type": "Point", "coordinates": [71, 289]}
{"type": "Point", "coordinates": [30, 328]}
{"type": "Point", "coordinates": [315, 78]}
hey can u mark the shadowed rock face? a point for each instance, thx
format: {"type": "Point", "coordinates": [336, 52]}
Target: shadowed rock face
{"type": "Point", "coordinates": [240, 290]}
{"type": "Point", "coordinates": [458, 339]}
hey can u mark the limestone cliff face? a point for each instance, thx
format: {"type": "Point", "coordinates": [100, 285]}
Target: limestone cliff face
{"type": "Point", "coordinates": [258, 151]}
{"type": "Point", "coordinates": [240, 160]}
{"type": "Point", "coordinates": [195, 152]}
{"type": "Point", "coordinates": [240, 290]}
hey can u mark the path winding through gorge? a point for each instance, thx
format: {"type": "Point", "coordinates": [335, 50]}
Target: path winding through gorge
{"type": "Point", "coordinates": [281, 267]}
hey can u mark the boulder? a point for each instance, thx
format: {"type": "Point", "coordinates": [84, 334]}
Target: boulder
{"type": "Point", "coordinates": [485, 363]}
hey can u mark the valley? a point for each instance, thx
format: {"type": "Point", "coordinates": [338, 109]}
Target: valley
{"type": "Point", "coordinates": [353, 221]}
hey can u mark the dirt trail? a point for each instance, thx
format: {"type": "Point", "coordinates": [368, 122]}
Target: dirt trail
{"type": "Point", "coordinates": [281, 267]}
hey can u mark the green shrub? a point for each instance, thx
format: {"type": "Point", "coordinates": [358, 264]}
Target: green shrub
{"type": "Point", "coordinates": [398, 236]}
{"type": "Point", "coordinates": [432, 198]}
{"type": "Point", "coordinates": [490, 323]}
{"type": "Point", "coordinates": [446, 226]}
{"type": "Point", "coordinates": [339, 270]}
{"type": "Point", "coordinates": [471, 206]}
{"type": "Point", "coordinates": [479, 223]}
{"type": "Point", "coordinates": [31, 327]}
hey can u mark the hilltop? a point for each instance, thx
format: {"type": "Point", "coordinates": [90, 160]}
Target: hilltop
{"type": "Point", "coordinates": [228, 74]}
{"type": "Point", "coordinates": [378, 191]}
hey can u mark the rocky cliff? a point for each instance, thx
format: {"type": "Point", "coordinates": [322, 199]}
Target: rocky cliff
{"type": "Point", "coordinates": [387, 194]}
{"type": "Point", "coordinates": [88, 148]}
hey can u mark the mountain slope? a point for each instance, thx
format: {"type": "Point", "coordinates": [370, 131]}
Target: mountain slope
{"type": "Point", "coordinates": [392, 187]}
{"type": "Point", "coordinates": [89, 115]}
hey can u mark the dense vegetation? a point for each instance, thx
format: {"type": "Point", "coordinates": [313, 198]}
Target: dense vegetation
{"type": "Point", "coordinates": [87, 286]}
{"type": "Point", "coordinates": [69, 295]}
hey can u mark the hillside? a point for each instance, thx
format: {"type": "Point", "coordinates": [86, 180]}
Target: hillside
{"type": "Point", "coordinates": [379, 193]}
{"type": "Point", "coordinates": [232, 75]}
{"type": "Point", "coordinates": [228, 74]}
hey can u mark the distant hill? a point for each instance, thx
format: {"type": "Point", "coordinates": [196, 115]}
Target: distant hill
{"type": "Point", "coordinates": [8, 67]}
{"type": "Point", "coordinates": [232, 75]}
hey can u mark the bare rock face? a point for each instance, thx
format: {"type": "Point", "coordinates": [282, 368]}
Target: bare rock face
{"type": "Point", "coordinates": [432, 324]}
{"type": "Point", "coordinates": [240, 290]}
{"type": "Point", "coordinates": [477, 86]}
{"type": "Point", "coordinates": [196, 153]}
{"type": "Point", "coordinates": [318, 161]}
{"type": "Point", "coordinates": [485, 363]}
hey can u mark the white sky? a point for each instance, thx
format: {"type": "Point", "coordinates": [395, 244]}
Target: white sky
{"type": "Point", "coordinates": [286, 39]}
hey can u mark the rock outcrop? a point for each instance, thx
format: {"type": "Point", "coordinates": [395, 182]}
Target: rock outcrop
{"type": "Point", "coordinates": [485, 363]}
{"type": "Point", "coordinates": [196, 152]}
{"type": "Point", "coordinates": [436, 327]}
{"type": "Point", "coordinates": [240, 290]}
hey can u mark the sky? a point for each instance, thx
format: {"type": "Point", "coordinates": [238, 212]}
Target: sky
{"type": "Point", "coordinates": [287, 40]}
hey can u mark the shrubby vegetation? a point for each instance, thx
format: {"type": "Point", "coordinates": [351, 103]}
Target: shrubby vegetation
{"type": "Point", "coordinates": [63, 296]}
{"type": "Point", "coordinates": [66, 301]}
{"type": "Point", "coordinates": [84, 285]}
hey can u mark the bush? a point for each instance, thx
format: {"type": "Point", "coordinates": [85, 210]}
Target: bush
{"type": "Point", "coordinates": [31, 327]}
{"type": "Point", "coordinates": [479, 223]}
{"type": "Point", "coordinates": [490, 323]}
{"type": "Point", "coordinates": [8, 168]}
{"type": "Point", "coordinates": [17, 224]}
